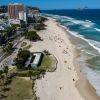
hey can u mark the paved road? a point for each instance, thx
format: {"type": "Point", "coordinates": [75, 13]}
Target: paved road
{"type": "Point", "coordinates": [9, 60]}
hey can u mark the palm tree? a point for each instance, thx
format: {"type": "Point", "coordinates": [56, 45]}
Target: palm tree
{"type": "Point", "coordinates": [6, 73]}
{"type": "Point", "coordinates": [0, 73]}
{"type": "Point", "coordinates": [0, 79]}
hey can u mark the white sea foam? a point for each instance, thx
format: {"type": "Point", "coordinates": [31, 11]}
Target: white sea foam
{"type": "Point", "coordinates": [83, 23]}
{"type": "Point", "coordinates": [92, 43]}
{"type": "Point", "coordinates": [94, 78]}
{"type": "Point", "coordinates": [87, 23]}
{"type": "Point", "coordinates": [88, 20]}
{"type": "Point", "coordinates": [68, 24]}
{"type": "Point", "coordinates": [97, 29]}
{"type": "Point", "coordinates": [89, 53]}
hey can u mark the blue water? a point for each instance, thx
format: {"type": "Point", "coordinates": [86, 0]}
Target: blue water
{"type": "Point", "coordinates": [85, 26]}
{"type": "Point", "coordinates": [83, 15]}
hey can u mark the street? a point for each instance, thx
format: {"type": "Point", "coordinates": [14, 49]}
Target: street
{"type": "Point", "coordinates": [9, 60]}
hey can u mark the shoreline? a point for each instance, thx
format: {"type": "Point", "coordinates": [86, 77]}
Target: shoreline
{"type": "Point", "coordinates": [86, 90]}
{"type": "Point", "coordinates": [56, 85]}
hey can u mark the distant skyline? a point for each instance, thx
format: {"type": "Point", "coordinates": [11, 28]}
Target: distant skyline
{"type": "Point", "coordinates": [56, 4]}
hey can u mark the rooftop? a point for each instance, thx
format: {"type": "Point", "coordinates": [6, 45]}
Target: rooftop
{"type": "Point", "coordinates": [34, 59]}
{"type": "Point", "coordinates": [37, 58]}
{"type": "Point", "coordinates": [15, 4]}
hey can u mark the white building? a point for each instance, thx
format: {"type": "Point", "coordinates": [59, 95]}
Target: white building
{"type": "Point", "coordinates": [17, 13]}
{"type": "Point", "coordinates": [34, 60]}
{"type": "Point", "coordinates": [23, 16]}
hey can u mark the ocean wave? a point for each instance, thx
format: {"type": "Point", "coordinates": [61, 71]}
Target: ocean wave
{"type": "Point", "coordinates": [97, 29]}
{"type": "Point", "coordinates": [92, 43]}
{"type": "Point", "coordinates": [89, 53]}
{"type": "Point", "coordinates": [68, 24]}
{"type": "Point", "coordinates": [83, 23]}
{"type": "Point", "coordinates": [92, 75]}
{"type": "Point", "coordinates": [94, 78]}
{"type": "Point", "coordinates": [86, 23]}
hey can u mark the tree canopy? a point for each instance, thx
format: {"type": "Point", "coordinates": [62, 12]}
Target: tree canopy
{"type": "Point", "coordinates": [32, 36]}
{"type": "Point", "coordinates": [8, 48]}
{"type": "Point", "coordinates": [22, 57]}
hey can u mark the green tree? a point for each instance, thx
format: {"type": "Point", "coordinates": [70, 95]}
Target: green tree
{"type": "Point", "coordinates": [1, 72]}
{"type": "Point", "coordinates": [42, 19]}
{"type": "Point", "coordinates": [6, 71]}
{"type": "Point", "coordinates": [32, 36]}
{"type": "Point", "coordinates": [8, 48]}
{"type": "Point", "coordinates": [1, 76]}
{"type": "Point", "coordinates": [5, 78]}
{"type": "Point", "coordinates": [22, 57]}
{"type": "Point", "coordinates": [39, 26]}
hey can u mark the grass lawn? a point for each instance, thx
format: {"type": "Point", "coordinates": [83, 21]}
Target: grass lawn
{"type": "Point", "coordinates": [48, 63]}
{"type": "Point", "coordinates": [21, 89]}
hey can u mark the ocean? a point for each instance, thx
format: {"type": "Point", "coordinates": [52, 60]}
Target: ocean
{"type": "Point", "coordinates": [85, 26]}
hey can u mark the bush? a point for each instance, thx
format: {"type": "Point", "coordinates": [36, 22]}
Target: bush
{"type": "Point", "coordinates": [42, 19]}
{"type": "Point", "coordinates": [21, 74]}
{"type": "Point", "coordinates": [46, 52]}
{"type": "Point", "coordinates": [30, 73]}
{"type": "Point", "coordinates": [32, 36]}
{"type": "Point", "coordinates": [22, 57]}
{"type": "Point", "coordinates": [8, 48]}
{"type": "Point", "coordinates": [39, 26]}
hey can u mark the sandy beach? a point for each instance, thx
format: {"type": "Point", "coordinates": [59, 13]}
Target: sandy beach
{"type": "Point", "coordinates": [67, 82]}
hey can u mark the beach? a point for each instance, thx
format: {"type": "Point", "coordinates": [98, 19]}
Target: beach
{"type": "Point", "coordinates": [67, 82]}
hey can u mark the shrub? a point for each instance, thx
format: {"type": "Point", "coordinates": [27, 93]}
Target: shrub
{"type": "Point", "coordinates": [8, 48]}
{"type": "Point", "coordinates": [39, 26]}
{"type": "Point", "coordinates": [42, 19]}
{"type": "Point", "coordinates": [46, 52]}
{"type": "Point", "coordinates": [32, 36]}
{"type": "Point", "coordinates": [22, 57]}
{"type": "Point", "coordinates": [30, 73]}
